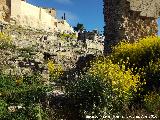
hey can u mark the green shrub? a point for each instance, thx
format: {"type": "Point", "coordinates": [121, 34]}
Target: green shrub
{"type": "Point", "coordinates": [3, 108]}
{"type": "Point", "coordinates": [67, 36]}
{"type": "Point", "coordinates": [105, 89]}
{"type": "Point", "coordinates": [31, 112]}
{"type": "Point", "coordinates": [87, 96]}
{"type": "Point", "coordinates": [26, 91]}
{"type": "Point", "coordinates": [152, 103]}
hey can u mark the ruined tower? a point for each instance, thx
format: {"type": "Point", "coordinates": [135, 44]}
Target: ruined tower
{"type": "Point", "coordinates": [129, 20]}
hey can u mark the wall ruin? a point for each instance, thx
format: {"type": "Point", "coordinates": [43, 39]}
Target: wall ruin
{"type": "Point", "coordinates": [129, 20]}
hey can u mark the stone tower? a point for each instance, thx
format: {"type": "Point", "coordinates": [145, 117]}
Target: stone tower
{"type": "Point", "coordinates": [129, 20]}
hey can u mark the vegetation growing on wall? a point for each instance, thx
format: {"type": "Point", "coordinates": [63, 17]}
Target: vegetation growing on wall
{"type": "Point", "coordinates": [67, 36]}
{"type": "Point", "coordinates": [55, 71]}
{"type": "Point", "coordinates": [5, 41]}
{"type": "Point", "coordinates": [127, 80]}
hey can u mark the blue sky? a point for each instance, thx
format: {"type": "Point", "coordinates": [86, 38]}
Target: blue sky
{"type": "Point", "coordinates": [159, 26]}
{"type": "Point", "coordinates": [88, 12]}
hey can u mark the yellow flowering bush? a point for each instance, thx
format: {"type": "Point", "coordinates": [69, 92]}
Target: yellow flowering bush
{"type": "Point", "coordinates": [105, 88]}
{"type": "Point", "coordinates": [54, 71]}
{"type": "Point", "coordinates": [137, 54]}
{"type": "Point", "coordinates": [142, 57]}
{"type": "Point", "coordinates": [5, 41]}
{"type": "Point", "coordinates": [122, 81]}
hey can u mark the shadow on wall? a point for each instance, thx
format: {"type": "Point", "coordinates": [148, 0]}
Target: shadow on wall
{"type": "Point", "coordinates": [159, 26]}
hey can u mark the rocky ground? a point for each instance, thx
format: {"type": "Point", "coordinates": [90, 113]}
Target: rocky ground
{"type": "Point", "coordinates": [30, 50]}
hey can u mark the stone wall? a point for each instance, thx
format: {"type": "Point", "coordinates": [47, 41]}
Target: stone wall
{"type": "Point", "coordinates": [51, 11]}
{"type": "Point", "coordinates": [129, 20]}
{"type": "Point", "coordinates": [4, 10]}
{"type": "Point", "coordinates": [147, 8]}
{"type": "Point", "coordinates": [28, 15]}
{"type": "Point", "coordinates": [87, 35]}
{"type": "Point", "coordinates": [93, 40]}
{"type": "Point", "coordinates": [20, 12]}
{"type": "Point", "coordinates": [63, 26]}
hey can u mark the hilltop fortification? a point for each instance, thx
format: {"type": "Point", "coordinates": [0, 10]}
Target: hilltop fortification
{"type": "Point", "coordinates": [21, 13]}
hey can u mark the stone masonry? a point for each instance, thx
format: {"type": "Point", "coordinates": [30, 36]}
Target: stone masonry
{"type": "Point", "coordinates": [4, 10]}
{"type": "Point", "coordinates": [129, 20]}
{"type": "Point", "coordinates": [21, 13]}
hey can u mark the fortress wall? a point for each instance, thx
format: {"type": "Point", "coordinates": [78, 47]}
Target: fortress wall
{"type": "Point", "coordinates": [29, 10]}
{"type": "Point", "coordinates": [5, 10]}
{"type": "Point", "coordinates": [46, 19]}
{"type": "Point", "coordinates": [21, 13]}
{"type": "Point", "coordinates": [28, 15]}
{"type": "Point", "coordinates": [16, 10]}
{"type": "Point", "coordinates": [63, 26]}
{"type": "Point", "coordinates": [51, 11]}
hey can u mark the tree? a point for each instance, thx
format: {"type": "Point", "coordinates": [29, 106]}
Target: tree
{"type": "Point", "coordinates": [79, 27]}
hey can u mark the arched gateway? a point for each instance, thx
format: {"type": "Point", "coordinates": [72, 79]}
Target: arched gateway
{"type": "Point", "coordinates": [130, 20]}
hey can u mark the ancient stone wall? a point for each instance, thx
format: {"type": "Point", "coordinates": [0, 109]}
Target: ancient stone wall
{"type": "Point", "coordinates": [51, 11]}
{"type": "Point", "coordinates": [147, 8]}
{"type": "Point", "coordinates": [20, 12]}
{"type": "Point", "coordinates": [28, 15]}
{"type": "Point", "coordinates": [5, 10]}
{"type": "Point", "coordinates": [63, 26]}
{"type": "Point", "coordinates": [125, 19]}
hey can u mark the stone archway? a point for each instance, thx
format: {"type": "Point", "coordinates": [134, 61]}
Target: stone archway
{"type": "Point", "coordinates": [129, 20]}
